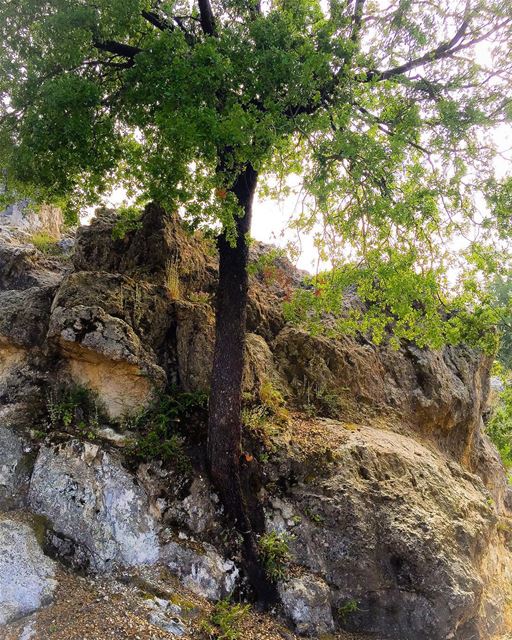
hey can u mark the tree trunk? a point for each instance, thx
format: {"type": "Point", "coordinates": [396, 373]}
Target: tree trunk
{"type": "Point", "coordinates": [224, 425]}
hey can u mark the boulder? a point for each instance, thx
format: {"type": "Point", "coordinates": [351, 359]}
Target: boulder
{"type": "Point", "coordinates": [104, 354]}
{"type": "Point", "coordinates": [397, 528]}
{"type": "Point", "coordinates": [27, 576]}
{"type": "Point", "coordinates": [99, 516]}
{"type": "Point", "coordinates": [200, 568]}
{"type": "Point", "coordinates": [15, 462]}
{"type": "Point", "coordinates": [307, 603]}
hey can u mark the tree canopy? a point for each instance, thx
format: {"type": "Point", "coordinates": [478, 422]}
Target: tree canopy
{"type": "Point", "coordinates": [384, 109]}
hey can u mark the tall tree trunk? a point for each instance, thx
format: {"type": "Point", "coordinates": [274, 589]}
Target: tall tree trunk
{"type": "Point", "coordinates": [224, 426]}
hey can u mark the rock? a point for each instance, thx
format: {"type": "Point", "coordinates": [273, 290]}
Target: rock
{"type": "Point", "coordinates": [24, 316]}
{"type": "Point", "coordinates": [195, 334]}
{"type": "Point", "coordinates": [198, 512]}
{"type": "Point", "coordinates": [14, 470]}
{"type": "Point", "coordinates": [146, 251]}
{"type": "Point", "coordinates": [201, 569]}
{"type": "Point", "coordinates": [440, 394]}
{"type": "Point", "coordinates": [22, 266]}
{"type": "Point", "coordinates": [104, 354]}
{"type": "Point", "coordinates": [306, 601]}
{"type": "Point", "coordinates": [94, 503]}
{"type": "Point", "coordinates": [400, 530]}
{"type": "Point", "coordinates": [27, 576]}
{"type": "Point", "coordinates": [174, 627]}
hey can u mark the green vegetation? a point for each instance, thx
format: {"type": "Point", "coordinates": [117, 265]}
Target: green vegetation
{"type": "Point", "coordinates": [382, 116]}
{"type": "Point", "coordinates": [316, 399]}
{"type": "Point", "coordinates": [73, 409]}
{"type": "Point", "coordinates": [128, 220]}
{"type": "Point", "coordinates": [347, 608]}
{"type": "Point", "coordinates": [501, 290]}
{"type": "Point", "coordinates": [274, 551]}
{"type": "Point", "coordinates": [225, 619]}
{"type": "Point", "coordinates": [499, 426]}
{"type": "Point", "coordinates": [267, 417]}
{"type": "Point", "coordinates": [45, 242]}
{"type": "Point", "coordinates": [163, 426]}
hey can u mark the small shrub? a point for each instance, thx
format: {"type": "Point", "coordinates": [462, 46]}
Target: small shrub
{"type": "Point", "coordinates": [225, 619]}
{"type": "Point", "coordinates": [161, 428]}
{"type": "Point", "coordinates": [347, 608]}
{"type": "Point", "coordinates": [74, 409]}
{"type": "Point", "coordinates": [274, 551]}
{"type": "Point", "coordinates": [45, 242]}
{"type": "Point", "coordinates": [318, 400]}
{"type": "Point", "coordinates": [128, 220]}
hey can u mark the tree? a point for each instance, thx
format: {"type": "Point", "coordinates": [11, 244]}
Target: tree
{"type": "Point", "coordinates": [382, 108]}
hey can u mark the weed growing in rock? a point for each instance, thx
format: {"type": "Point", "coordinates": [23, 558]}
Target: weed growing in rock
{"type": "Point", "coordinates": [316, 399]}
{"type": "Point", "coordinates": [347, 608]}
{"type": "Point", "coordinates": [274, 551]}
{"type": "Point", "coordinates": [162, 428]}
{"type": "Point", "coordinates": [266, 419]}
{"type": "Point", "coordinates": [172, 282]}
{"type": "Point", "coordinates": [314, 517]}
{"type": "Point", "coordinates": [74, 409]}
{"type": "Point", "coordinates": [225, 619]}
{"type": "Point", "coordinates": [45, 242]}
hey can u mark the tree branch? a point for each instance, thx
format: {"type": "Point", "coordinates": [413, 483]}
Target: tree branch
{"type": "Point", "coordinates": [117, 48]}
{"type": "Point", "coordinates": [157, 21]}
{"type": "Point", "coordinates": [444, 50]}
{"type": "Point", "coordinates": [207, 19]}
{"type": "Point", "coordinates": [357, 20]}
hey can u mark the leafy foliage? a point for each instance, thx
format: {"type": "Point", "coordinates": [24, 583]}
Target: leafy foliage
{"type": "Point", "coordinates": [162, 428]}
{"type": "Point", "coordinates": [381, 112]}
{"type": "Point", "coordinates": [389, 299]}
{"type": "Point", "coordinates": [74, 409]}
{"type": "Point", "coordinates": [128, 219]}
{"type": "Point", "coordinates": [347, 608]}
{"type": "Point", "coordinates": [275, 554]}
{"type": "Point", "coordinates": [224, 622]}
{"type": "Point", "coordinates": [499, 426]}
{"type": "Point", "coordinates": [501, 291]}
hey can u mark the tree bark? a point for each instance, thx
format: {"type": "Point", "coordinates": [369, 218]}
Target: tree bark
{"type": "Point", "coordinates": [224, 425]}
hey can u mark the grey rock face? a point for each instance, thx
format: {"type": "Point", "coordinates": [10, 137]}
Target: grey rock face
{"type": "Point", "coordinates": [26, 574]}
{"type": "Point", "coordinates": [91, 500]}
{"type": "Point", "coordinates": [203, 571]}
{"type": "Point", "coordinates": [399, 530]}
{"type": "Point", "coordinates": [307, 602]}
{"type": "Point", "coordinates": [13, 474]}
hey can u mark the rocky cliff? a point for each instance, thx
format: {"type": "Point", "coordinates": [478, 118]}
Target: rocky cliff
{"type": "Point", "coordinates": [376, 478]}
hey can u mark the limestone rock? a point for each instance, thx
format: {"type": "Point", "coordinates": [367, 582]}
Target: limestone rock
{"type": "Point", "coordinates": [201, 569]}
{"type": "Point", "coordinates": [198, 511]}
{"type": "Point", "coordinates": [22, 266]}
{"type": "Point", "coordinates": [27, 576]}
{"type": "Point", "coordinates": [306, 601]}
{"type": "Point", "coordinates": [93, 502]}
{"type": "Point", "coordinates": [104, 353]}
{"type": "Point", "coordinates": [400, 530]}
{"type": "Point", "coordinates": [14, 465]}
